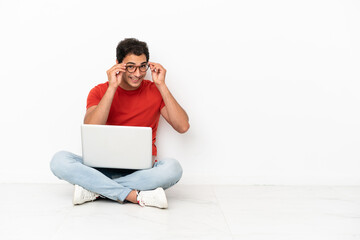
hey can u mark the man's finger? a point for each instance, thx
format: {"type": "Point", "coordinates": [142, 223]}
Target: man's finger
{"type": "Point", "coordinates": [155, 64]}
{"type": "Point", "coordinates": [117, 68]}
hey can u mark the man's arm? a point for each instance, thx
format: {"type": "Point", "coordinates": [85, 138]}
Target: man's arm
{"type": "Point", "coordinates": [173, 113]}
{"type": "Point", "coordinates": [99, 114]}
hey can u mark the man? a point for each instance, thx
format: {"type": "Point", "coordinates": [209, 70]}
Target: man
{"type": "Point", "coordinates": [127, 99]}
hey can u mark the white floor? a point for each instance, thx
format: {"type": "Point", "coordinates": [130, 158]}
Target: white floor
{"type": "Point", "coordinates": [45, 211]}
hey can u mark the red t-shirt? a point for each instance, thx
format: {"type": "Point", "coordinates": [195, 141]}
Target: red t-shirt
{"type": "Point", "coordinates": [140, 107]}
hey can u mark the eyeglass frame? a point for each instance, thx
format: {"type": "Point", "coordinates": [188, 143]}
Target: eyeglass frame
{"type": "Point", "coordinates": [136, 67]}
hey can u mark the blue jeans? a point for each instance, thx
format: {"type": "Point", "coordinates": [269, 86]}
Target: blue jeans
{"type": "Point", "coordinates": [114, 184]}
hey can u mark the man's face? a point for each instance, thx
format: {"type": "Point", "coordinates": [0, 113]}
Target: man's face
{"type": "Point", "coordinates": [132, 81]}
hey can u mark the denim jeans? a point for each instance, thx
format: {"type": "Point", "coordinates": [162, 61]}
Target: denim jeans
{"type": "Point", "coordinates": [114, 184]}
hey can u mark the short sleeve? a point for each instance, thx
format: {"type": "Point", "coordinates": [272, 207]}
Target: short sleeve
{"type": "Point", "coordinates": [94, 97]}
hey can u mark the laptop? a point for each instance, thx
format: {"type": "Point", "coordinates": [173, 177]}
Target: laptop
{"type": "Point", "coordinates": [108, 146]}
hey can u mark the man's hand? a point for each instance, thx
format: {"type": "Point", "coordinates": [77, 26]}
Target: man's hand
{"type": "Point", "coordinates": [115, 74]}
{"type": "Point", "coordinates": [158, 73]}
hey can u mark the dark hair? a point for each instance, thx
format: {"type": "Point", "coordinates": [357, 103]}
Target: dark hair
{"type": "Point", "coordinates": [132, 46]}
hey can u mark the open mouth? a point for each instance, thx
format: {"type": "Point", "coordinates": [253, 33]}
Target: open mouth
{"type": "Point", "coordinates": [135, 79]}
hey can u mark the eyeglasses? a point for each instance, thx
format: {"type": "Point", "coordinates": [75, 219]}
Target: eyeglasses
{"type": "Point", "coordinates": [132, 68]}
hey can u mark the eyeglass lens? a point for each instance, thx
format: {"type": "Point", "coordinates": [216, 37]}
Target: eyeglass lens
{"type": "Point", "coordinates": [132, 68]}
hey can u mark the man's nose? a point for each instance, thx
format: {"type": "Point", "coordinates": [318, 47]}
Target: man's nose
{"type": "Point", "coordinates": [137, 72]}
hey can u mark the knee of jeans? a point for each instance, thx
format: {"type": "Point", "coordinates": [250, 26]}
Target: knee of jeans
{"type": "Point", "coordinates": [174, 170]}
{"type": "Point", "coordinates": [57, 163]}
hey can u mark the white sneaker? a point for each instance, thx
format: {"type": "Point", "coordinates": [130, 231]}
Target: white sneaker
{"type": "Point", "coordinates": [82, 195]}
{"type": "Point", "coordinates": [153, 198]}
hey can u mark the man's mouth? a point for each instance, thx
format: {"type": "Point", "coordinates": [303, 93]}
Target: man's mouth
{"type": "Point", "coordinates": [135, 79]}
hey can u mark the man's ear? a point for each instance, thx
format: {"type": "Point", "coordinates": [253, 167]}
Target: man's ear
{"type": "Point", "coordinates": [117, 62]}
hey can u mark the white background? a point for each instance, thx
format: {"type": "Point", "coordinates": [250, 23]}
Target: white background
{"type": "Point", "coordinates": [271, 87]}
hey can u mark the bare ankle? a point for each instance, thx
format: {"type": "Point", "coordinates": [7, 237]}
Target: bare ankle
{"type": "Point", "coordinates": [132, 197]}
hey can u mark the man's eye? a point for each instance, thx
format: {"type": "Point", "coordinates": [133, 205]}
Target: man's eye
{"type": "Point", "coordinates": [130, 67]}
{"type": "Point", "coordinates": [143, 66]}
